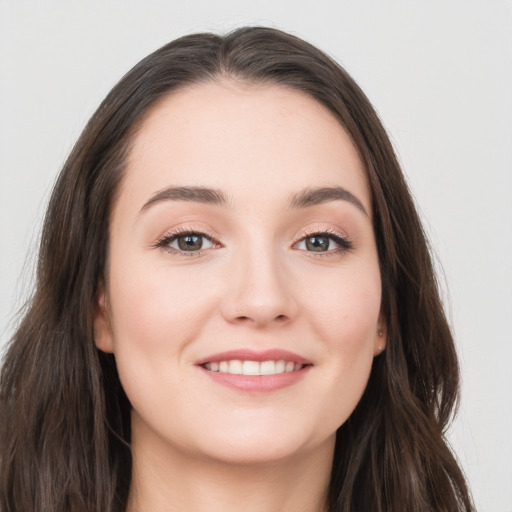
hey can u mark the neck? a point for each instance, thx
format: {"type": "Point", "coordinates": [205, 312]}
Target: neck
{"type": "Point", "coordinates": [167, 480]}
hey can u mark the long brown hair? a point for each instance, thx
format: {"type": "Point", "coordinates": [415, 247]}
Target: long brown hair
{"type": "Point", "coordinates": [64, 418]}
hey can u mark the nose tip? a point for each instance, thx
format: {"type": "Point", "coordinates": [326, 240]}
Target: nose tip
{"type": "Point", "coordinates": [259, 295]}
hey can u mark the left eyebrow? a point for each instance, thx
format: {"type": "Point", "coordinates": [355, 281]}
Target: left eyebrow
{"type": "Point", "coordinates": [318, 195]}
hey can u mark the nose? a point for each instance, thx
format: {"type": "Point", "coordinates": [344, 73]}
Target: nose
{"type": "Point", "coordinates": [259, 291]}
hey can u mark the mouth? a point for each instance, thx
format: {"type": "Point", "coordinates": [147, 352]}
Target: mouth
{"type": "Point", "coordinates": [248, 367]}
{"type": "Point", "coordinates": [252, 371]}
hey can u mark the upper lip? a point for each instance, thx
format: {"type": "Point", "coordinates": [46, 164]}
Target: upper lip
{"type": "Point", "coordinates": [253, 355]}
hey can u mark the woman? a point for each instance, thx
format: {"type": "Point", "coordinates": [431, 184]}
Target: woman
{"type": "Point", "coordinates": [235, 303]}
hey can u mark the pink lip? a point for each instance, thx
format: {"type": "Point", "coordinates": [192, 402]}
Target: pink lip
{"type": "Point", "coordinates": [256, 383]}
{"type": "Point", "coordinates": [252, 355]}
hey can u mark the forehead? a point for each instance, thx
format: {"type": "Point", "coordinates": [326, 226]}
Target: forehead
{"type": "Point", "coordinates": [243, 139]}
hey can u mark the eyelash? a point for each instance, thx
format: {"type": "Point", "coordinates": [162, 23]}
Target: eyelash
{"type": "Point", "coordinates": [166, 240]}
{"type": "Point", "coordinates": [345, 245]}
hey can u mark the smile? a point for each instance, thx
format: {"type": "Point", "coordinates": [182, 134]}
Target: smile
{"type": "Point", "coordinates": [239, 367]}
{"type": "Point", "coordinates": [252, 371]}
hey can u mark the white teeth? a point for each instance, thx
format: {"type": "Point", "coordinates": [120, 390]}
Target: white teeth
{"type": "Point", "coordinates": [238, 367]}
{"type": "Point", "coordinates": [235, 366]}
{"type": "Point", "coordinates": [268, 367]}
{"type": "Point", "coordinates": [251, 368]}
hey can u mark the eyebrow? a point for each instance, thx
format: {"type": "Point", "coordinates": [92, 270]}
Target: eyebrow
{"type": "Point", "coordinates": [305, 198]}
{"type": "Point", "coordinates": [195, 194]}
{"type": "Point", "coordinates": [313, 196]}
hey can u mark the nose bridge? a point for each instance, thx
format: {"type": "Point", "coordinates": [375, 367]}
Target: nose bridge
{"type": "Point", "coordinates": [258, 288]}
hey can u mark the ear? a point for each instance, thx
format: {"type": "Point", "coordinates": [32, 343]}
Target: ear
{"type": "Point", "coordinates": [103, 337]}
{"type": "Point", "coordinates": [380, 336]}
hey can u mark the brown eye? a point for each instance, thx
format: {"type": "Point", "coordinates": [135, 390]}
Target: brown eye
{"type": "Point", "coordinates": [192, 242]}
{"type": "Point", "coordinates": [317, 243]}
{"type": "Point", "coordinates": [324, 243]}
{"type": "Point", "coordinates": [188, 242]}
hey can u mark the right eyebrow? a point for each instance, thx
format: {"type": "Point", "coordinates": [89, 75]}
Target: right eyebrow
{"type": "Point", "coordinates": [197, 194]}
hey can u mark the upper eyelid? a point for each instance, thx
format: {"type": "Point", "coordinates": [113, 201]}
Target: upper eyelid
{"type": "Point", "coordinates": [175, 233]}
{"type": "Point", "coordinates": [325, 231]}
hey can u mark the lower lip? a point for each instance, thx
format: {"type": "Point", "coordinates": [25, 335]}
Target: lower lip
{"type": "Point", "coordinates": [257, 383]}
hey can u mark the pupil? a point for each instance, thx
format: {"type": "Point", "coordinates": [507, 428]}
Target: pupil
{"type": "Point", "coordinates": [190, 242]}
{"type": "Point", "coordinates": [317, 243]}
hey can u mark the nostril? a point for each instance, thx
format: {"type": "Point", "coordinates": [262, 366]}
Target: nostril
{"type": "Point", "coordinates": [258, 320]}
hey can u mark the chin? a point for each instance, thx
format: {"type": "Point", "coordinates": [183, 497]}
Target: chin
{"type": "Point", "coordinates": [257, 445]}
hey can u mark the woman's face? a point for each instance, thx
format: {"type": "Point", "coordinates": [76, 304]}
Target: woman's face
{"type": "Point", "coordinates": [243, 290]}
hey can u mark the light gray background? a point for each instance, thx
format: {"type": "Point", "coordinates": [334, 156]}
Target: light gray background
{"type": "Point", "coordinates": [438, 72]}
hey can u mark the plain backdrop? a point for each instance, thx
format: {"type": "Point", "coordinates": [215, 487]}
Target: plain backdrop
{"type": "Point", "coordinates": [438, 72]}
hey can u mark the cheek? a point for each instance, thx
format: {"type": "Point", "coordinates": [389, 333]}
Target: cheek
{"type": "Point", "coordinates": [343, 312]}
{"type": "Point", "coordinates": [344, 307]}
{"type": "Point", "coordinates": [156, 313]}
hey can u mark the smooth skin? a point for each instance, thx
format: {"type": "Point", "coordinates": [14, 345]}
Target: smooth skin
{"type": "Point", "coordinates": [302, 278]}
